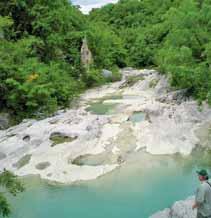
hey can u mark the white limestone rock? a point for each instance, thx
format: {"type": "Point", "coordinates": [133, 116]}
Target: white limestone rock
{"type": "Point", "coordinates": [169, 128]}
{"type": "Point", "coordinates": [180, 209]}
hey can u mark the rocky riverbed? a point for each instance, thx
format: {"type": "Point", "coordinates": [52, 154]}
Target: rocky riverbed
{"type": "Point", "coordinates": [106, 125]}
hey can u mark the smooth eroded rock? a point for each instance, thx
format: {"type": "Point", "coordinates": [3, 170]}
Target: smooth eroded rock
{"type": "Point", "coordinates": [180, 209]}
{"type": "Point", "coordinates": [107, 73]}
{"type": "Point", "coordinates": [2, 155]}
{"type": "Point", "coordinates": [4, 121]}
{"type": "Point", "coordinates": [23, 161]}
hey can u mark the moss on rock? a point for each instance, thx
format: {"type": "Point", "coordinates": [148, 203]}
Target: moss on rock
{"type": "Point", "coordinates": [59, 138]}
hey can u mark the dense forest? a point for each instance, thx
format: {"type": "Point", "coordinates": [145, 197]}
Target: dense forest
{"type": "Point", "coordinates": [173, 36]}
{"type": "Point", "coordinates": [40, 67]}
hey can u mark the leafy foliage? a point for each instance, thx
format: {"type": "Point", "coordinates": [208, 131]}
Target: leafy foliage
{"type": "Point", "coordinates": [173, 35]}
{"type": "Point", "coordinates": [107, 48]}
{"type": "Point", "coordinates": [9, 185]}
{"type": "Point", "coordinates": [40, 41]}
{"type": "Point", "coordinates": [40, 68]}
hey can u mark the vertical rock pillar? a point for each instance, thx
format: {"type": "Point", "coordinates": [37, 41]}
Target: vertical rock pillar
{"type": "Point", "coordinates": [86, 55]}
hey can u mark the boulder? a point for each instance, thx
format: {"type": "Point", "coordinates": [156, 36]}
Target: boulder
{"type": "Point", "coordinates": [86, 55]}
{"type": "Point", "coordinates": [4, 121]}
{"type": "Point", "coordinates": [106, 73]}
{"type": "Point", "coordinates": [176, 97]}
{"type": "Point", "coordinates": [180, 209]}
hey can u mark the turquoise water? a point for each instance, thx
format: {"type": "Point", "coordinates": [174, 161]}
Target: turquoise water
{"type": "Point", "coordinates": [101, 108]}
{"type": "Point", "coordinates": [138, 189]}
{"type": "Point", "coordinates": [137, 117]}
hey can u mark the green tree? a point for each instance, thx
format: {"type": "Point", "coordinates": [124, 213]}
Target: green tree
{"type": "Point", "coordinates": [106, 46]}
{"type": "Point", "coordinates": [40, 55]}
{"type": "Point", "coordinates": [172, 35]}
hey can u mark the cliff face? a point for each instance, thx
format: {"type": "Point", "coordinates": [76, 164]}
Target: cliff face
{"type": "Point", "coordinates": [180, 209]}
{"type": "Point", "coordinates": [86, 55]}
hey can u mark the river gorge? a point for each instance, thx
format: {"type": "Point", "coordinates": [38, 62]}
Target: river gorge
{"type": "Point", "coordinates": [126, 149]}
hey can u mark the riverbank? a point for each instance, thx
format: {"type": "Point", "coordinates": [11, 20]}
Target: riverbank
{"type": "Point", "coordinates": [168, 123]}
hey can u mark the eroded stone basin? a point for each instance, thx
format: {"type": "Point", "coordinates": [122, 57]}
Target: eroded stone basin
{"type": "Point", "coordinates": [95, 160]}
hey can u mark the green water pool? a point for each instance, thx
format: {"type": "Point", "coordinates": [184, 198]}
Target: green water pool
{"type": "Point", "coordinates": [142, 186]}
{"type": "Point", "coordinates": [101, 108]}
{"type": "Point", "coordinates": [137, 117]}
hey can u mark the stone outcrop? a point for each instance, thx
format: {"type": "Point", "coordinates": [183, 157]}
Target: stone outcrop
{"type": "Point", "coordinates": [4, 120]}
{"type": "Point", "coordinates": [180, 209]}
{"type": "Point", "coordinates": [86, 55]}
{"type": "Point", "coordinates": [107, 73]}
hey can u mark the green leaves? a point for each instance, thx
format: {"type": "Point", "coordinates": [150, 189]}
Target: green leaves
{"type": "Point", "coordinates": [39, 55]}
{"type": "Point", "coordinates": [173, 35]}
{"type": "Point", "coordinates": [9, 181]}
{"type": "Point", "coordinates": [9, 185]}
{"type": "Point", "coordinates": [106, 46]}
{"type": "Point", "coordinates": [4, 206]}
{"type": "Point", "coordinates": [40, 67]}
{"type": "Point", "coordinates": [185, 52]}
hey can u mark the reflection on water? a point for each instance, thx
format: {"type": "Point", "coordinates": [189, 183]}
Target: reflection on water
{"type": "Point", "coordinates": [143, 185]}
